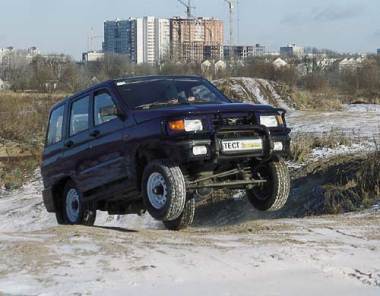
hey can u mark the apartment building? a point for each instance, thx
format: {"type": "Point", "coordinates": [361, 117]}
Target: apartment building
{"type": "Point", "coordinates": [143, 40]}
{"type": "Point", "coordinates": [292, 50]}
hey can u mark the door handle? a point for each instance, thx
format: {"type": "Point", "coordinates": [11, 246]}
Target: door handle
{"type": "Point", "coordinates": [69, 144]}
{"type": "Point", "coordinates": [95, 133]}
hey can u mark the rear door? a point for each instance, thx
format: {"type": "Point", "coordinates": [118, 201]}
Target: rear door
{"type": "Point", "coordinates": [52, 163]}
{"type": "Point", "coordinates": [76, 145]}
{"type": "Point", "coordinates": [107, 147]}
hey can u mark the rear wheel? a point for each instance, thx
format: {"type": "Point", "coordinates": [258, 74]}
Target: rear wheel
{"type": "Point", "coordinates": [272, 195]}
{"type": "Point", "coordinates": [164, 190]}
{"type": "Point", "coordinates": [73, 210]}
{"type": "Point", "coordinates": [186, 218]}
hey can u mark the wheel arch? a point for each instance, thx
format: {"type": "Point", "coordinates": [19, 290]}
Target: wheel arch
{"type": "Point", "coordinates": [145, 154]}
{"type": "Point", "coordinates": [57, 191]}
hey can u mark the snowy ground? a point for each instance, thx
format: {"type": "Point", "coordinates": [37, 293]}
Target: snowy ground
{"type": "Point", "coordinates": [357, 121]}
{"type": "Point", "coordinates": [225, 253]}
{"type": "Point", "coordinates": [331, 255]}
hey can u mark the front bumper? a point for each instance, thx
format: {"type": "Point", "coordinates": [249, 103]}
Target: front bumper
{"type": "Point", "coordinates": [182, 151]}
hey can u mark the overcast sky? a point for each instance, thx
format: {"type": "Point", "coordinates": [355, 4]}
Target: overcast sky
{"type": "Point", "coordinates": [63, 26]}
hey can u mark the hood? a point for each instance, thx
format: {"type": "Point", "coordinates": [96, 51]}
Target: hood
{"type": "Point", "coordinates": [190, 110]}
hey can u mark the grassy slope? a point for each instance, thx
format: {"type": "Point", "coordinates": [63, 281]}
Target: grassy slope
{"type": "Point", "coordinates": [23, 119]}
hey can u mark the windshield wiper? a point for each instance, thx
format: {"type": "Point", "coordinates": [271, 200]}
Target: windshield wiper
{"type": "Point", "coordinates": [150, 105]}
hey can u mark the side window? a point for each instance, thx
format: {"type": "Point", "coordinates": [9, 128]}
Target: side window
{"type": "Point", "coordinates": [55, 126]}
{"type": "Point", "coordinates": [79, 116]}
{"type": "Point", "coordinates": [104, 108]}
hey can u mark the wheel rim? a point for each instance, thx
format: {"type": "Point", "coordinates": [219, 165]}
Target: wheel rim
{"type": "Point", "coordinates": [72, 205]}
{"type": "Point", "coordinates": [157, 190]}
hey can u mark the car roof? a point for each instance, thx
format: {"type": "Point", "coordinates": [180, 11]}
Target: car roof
{"type": "Point", "coordinates": [153, 77]}
{"type": "Point", "coordinates": [125, 79]}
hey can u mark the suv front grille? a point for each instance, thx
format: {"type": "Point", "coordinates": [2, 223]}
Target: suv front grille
{"type": "Point", "coordinates": [233, 120]}
{"type": "Point", "coordinates": [234, 126]}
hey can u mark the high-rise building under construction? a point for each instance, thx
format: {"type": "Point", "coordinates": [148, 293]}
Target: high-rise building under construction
{"type": "Point", "coordinates": [196, 39]}
{"type": "Point", "coordinates": [152, 40]}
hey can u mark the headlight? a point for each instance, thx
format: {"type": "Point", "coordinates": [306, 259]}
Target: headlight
{"type": "Point", "coordinates": [186, 125]}
{"type": "Point", "coordinates": [194, 125]}
{"type": "Point", "coordinates": [270, 120]}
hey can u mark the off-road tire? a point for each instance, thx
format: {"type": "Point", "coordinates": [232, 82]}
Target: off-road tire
{"type": "Point", "coordinates": [59, 216]}
{"type": "Point", "coordinates": [87, 210]}
{"type": "Point", "coordinates": [277, 188]}
{"type": "Point", "coordinates": [176, 190]}
{"type": "Point", "coordinates": [186, 218]}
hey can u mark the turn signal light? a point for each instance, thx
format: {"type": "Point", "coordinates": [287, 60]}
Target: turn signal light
{"type": "Point", "coordinates": [177, 125]}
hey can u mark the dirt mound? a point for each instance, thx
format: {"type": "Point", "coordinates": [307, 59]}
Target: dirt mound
{"type": "Point", "coordinates": [257, 91]}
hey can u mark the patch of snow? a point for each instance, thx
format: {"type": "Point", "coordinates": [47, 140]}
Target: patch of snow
{"type": "Point", "coordinates": [323, 153]}
{"type": "Point", "coordinates": [356, 121]}
{"type": "Point", "coordinates": [362, 108]}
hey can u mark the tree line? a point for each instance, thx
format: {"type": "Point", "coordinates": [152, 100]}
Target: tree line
{"type": "Point", "coordinates": [62, 74]}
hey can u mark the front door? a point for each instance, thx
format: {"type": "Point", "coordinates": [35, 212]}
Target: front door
{"type": "Point", "coordinates": [107, 147]}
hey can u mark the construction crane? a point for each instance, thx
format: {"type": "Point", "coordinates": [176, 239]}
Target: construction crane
{"type": "Point", "coordinates": [188, 6]}
{"type": "Point", "coordinates": [91, 38]}
{"type": "Point", "coordinates": [231, 9]}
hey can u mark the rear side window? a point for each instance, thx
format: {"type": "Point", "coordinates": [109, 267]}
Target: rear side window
{"type": "Point", "coordinates": [55, 129]}
{"type": "Point", "coordinates": [79, 116]}
{"type": "Point", "coordinates": [104, 108]}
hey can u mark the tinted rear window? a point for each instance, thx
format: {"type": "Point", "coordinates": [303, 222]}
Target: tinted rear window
{"type": "Point", "coordinates": [55, 129]}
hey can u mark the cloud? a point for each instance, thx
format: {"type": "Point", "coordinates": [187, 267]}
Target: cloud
{"type": "Point", "coordinates": [331, 13]}
{"type": "Point", "coordinates": [292, 19]}
{"type": "Point", "coordinates": [335, 13]}
{"type": "Point", "coordinates": [376, 33]}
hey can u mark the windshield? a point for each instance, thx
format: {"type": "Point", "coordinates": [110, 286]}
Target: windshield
{"type": "Point", "coordinates": [158, 93]}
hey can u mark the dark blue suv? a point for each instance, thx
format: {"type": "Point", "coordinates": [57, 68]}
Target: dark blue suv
{"type": "Point", "coordinates": [157, 144]}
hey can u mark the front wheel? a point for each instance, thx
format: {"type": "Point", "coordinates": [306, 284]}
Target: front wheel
{"type": "Point", "coordinates": [73, 210]}
{"type": "Point", "coordinates": [164, 190]}
{"type": "Point", "coordinates": [273, 194]}
{"type": "Point", "coordinates": [186, 218]}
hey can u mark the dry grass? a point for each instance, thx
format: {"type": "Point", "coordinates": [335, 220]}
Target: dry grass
{"type": "Point", "coordinates": [356, 187]}
{"type": "Point", "coordinates": [24, 117]}
{"type": "Point", "coordinates": [15, 172]}
{"type": "Point", "coordinates": [23, 120]}
{"type": "Point", "coordinates": [302, 145]}
{"type": "Point", "coordinates": [322, 101]}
